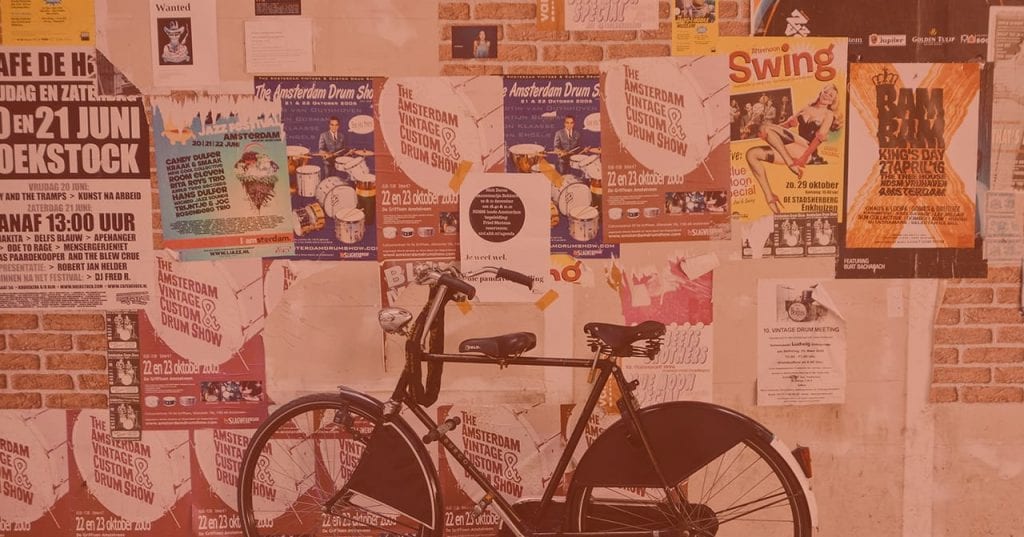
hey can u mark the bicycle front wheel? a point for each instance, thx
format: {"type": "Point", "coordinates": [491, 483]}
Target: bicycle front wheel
{"type": "Point", "coordinates": [327, 464]}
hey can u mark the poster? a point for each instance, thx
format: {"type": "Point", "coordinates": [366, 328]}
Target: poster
{"type": "Point", "coordinates": [694, 27]}
{"type": "Point", "coordinates": [788, 138]}
{"type": "Point", "coordinates": [505, 224]}
{"type": "Point", "coordinates": [184, 43]}
{"type": "Point", "coordinates": [801, 344]}
{"type": "Point", "coordinates": [221, 169]}
{"type": "Point", "coordinates": [913, 156]}
{"type": "Point", "coordinates": [215, 464]}
{"type": "Point", "coordinates": [1006, 51]}
{"type": "Point", "coordinates": [558, 120]}
{"type": "Point", "coordinates": [201, 345]}
{"type": "Point", "coordinates": [123, 374]}
{"type": "Point", "coordinates": [278, 7]}
{"type": "Point", "coordinates": [126, 488]}
{"type": "Point", "coordinates": [430, 132]}
{"type": "Point", "coordinates": [76, 230]}
{"type": "Point", "coordinates": [47, 22]}
{"type": "Point", "coordinates": [610, 14]}
{"type": "Point", "coordinates": [34, 472]}
{"type": "Point", "coordinates": [279, 45]}
{"type": "Point", "coordinates": [665, 150]}
{"type": "Point", "coordinates": [328, 128]}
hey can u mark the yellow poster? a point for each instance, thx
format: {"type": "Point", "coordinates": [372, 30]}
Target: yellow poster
{"type": "Point", "coordinates": [694, 27]}
{"type": "Point", "coordinates": [47, 22]}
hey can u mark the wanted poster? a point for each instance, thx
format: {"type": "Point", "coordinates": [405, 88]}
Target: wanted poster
{"type": "Point", "coordinates": [51, 22]}
{"type": "Point", "coordinates": [201, 346]}
{"type": "Point", "coordinates": [328, 128]}
{"type": "Point", "coordinates": [126, 487]}
{"type": "Point", "coordinates": [184, 43]}
{"type": "Point", "coordinates": [76, 230]}
{"type": "Point", "coordinates": [553, 127]}
{"type": "Point", "coordinates": [222, 175]}
{"type": "Point", "coordinates": [665, 150]}
{"type": "Point", "coordinates": [34, 481]}
{"type": "Point", "coordinates": [430, 133]}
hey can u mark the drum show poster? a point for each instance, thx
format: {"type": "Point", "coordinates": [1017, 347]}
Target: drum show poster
{"type": "Point", "coordinates": [222, 177]}
{"type": "Point", "coordinates": [665, 149]}
{"type": "Point", "coordinates": [328, 129]}
{"type": "Point", "coordinates": [34, 470]}
{"type": "Point", "coordinates": [911, 182]}
{"type": "Point", "coordinates": [558, 120]}
{"type": "Point", "coordinates": [787, 157]}
{"type": "Point", "coordinates": [430, 132]}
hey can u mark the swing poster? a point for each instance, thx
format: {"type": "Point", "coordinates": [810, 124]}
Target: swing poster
{"type": "Point", "coordinates": [788, 138]}
{"type": "Point", "coordinates": [911, 181]}
{"type": "Point", "coordinates": [222, 177]}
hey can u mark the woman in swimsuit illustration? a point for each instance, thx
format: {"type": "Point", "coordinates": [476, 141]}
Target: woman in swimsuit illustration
{"type": "Point", "coordinates": [796, 150]}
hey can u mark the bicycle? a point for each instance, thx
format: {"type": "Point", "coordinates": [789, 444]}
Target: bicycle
{"type": "Point", "coordinates": [348, 464]}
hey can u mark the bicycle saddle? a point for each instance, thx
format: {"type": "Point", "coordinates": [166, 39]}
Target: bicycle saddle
{"type": "Point", "coordinates": [619, 338]}
{"type": "Point", "coordinates": [501, 346]}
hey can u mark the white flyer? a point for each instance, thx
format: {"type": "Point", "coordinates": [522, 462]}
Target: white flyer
{"type": "Point", "coordinates": [184, 43]}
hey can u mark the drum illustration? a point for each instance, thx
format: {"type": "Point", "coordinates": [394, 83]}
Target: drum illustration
{"type": "Point", "coordinates": [308, 178]}
{"type": "Point", "coordinates": [309, 219]}
{"type": "Point", "coordinates": [350, 226]}
{"type": "Point", "coordinates": [583, 223]}
{"type": "Point", "coordinates": [297, 156]}
{"type": "Point", "coordinates": [339, 200]}
{"type": "Point", "coordinates": [589, 166]}
{"type": "Point", "coordinates": [525, 156]}
{"type": "Point", "coordinates": [326, 186]}
{"type": "Point", "coordinates": [573, 193]}
{"type": "Point", "coordinates": [352, 167]}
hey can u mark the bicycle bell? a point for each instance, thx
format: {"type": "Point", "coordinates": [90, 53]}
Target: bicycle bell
{"type": "Point", "coordinates": [393, 320]}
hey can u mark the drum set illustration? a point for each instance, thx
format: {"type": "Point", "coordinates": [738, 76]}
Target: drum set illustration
{"type": "Point", "coordinates": [348, 197]}
{"type": "Point", "coordinates": [577, 197]}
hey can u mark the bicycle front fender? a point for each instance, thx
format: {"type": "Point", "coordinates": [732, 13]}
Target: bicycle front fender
{"type": "Point", "coordinates": [684, 436]}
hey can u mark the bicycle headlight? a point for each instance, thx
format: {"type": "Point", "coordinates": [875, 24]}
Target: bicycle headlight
{"type": "Point", "coordinates": [394, 320]}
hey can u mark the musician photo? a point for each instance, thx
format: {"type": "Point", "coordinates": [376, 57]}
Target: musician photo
{"type": "Point", "coordinates": [331, 144]}
{"type": "Point", "coordinates": [567, 143]}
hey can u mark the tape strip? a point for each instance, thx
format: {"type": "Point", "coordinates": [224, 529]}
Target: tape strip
{"type": "Point", "coordinates": [460, 175]}
{"type": "Point", "coordinates": [465, 307]}
{"type": "Point", "coordinates": [543, 302]}
{"type": "Point", "coordinates": [552, 174]}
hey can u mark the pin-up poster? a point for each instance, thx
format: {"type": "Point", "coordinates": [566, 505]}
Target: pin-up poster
{"type": "Point", "coordinates": [665, 149]}
{"type": "Point", "coordinates": [51, 22]}
{"type": "Point", "coordinates": [788, 132]}
{"type": "Point", "coordinates": [223, 179]}
{"type": "Point", "coordinates": [430, 133]}
{"type": "Point", "coordinates": [126, 487]}
{"type": "Point", "coordinates": [76, 225]}
{"type": "Point", "coordinates": [201, 346]}
{"type": "Point", "coordinates": [34, 470]}
{"type": "Point", "coordinates": [912, 173]}
{"type": "Point", "coordinates": [694, 27]}
{"type": "Point", "coordinates": [328, 128]}
{"type": "Point", "coordinates": [558, 120]}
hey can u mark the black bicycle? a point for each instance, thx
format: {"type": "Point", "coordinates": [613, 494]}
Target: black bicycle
{"type": "Point", "coordinates": [347, 464]}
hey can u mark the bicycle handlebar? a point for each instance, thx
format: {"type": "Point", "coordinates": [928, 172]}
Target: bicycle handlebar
{"type": "Point", "coordinates": [456, 284]}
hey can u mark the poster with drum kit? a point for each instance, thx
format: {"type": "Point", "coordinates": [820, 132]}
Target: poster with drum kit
{"type": "Point", "coordinates": [557, 120]}
{"type": "Point", "coordinates": [34, 469]}
{"type": "Point", "coordinates": [123, 374]}
{"type": "Point", "coordinates": [126, 488]}
{"type": "Point", "coordinates": [328, 127]}
{"type": "Point", "coordinates": [202, 346]}
{"type": "Point", "coordinates": [665, 149]}
{"type": "Point", "coordinates": [216, 458]}
{"type": "Point", "coordinates": [430, 132]}
{"type": "Point", "coordinates": [222, 177]}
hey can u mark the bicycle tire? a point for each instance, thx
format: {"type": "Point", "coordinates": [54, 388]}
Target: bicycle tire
{"type": "Point", "coordinates": [312, 447]}
{"type": "Point", "coordinates": [748, 489]}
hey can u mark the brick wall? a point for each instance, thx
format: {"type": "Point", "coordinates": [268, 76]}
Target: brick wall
{"type": "Point", "coordinates": [978, 353]}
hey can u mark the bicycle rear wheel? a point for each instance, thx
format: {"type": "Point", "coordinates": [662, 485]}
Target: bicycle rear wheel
{"type": "Point", "coordinates": [747, 489]}
{"type": "Point", "coordinates": [326, 464]}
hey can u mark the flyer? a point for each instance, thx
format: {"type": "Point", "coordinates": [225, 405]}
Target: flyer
{"type": "Point", "coordinates": [279, 45]}
{"type": "Point", "coordinates": [34, 470]}
{"type": "Point", "coordinates": [123, 374]}
{"type": "Point", "coordinates": [216, 464]}
{"type": "Point", "coordinates": [665, 149]}
{"type": "Point", "coordinates": [76, 231]}
{"type": "Point", "coordinates": [184, 43]}
{"type": "Point", "coordinates": [430, 132]}
{"type": "Point", "coordinates": [201, 346]}
{"type": "Point", "coordinates": [47, 23]}
{"type": "Point", "coordinates": [221, 169]}
{"type": "Point", "coordinates": [1006, 35]}
{"type": "Point", "coordinates": [278, 7]}
{"type": "Point", "coordinates": [694, 27]}
{"type": "Point", "coordinates": [328, 127]}
{"type": "Point", "coordinates": [609, 14]}
{"type": "Point", "coordinates": [801, 350]}
{"type": "Point", "coordinates": [558, 120]}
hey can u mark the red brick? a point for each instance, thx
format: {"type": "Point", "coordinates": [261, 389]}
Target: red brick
{"type": "Point", "coordinates": [604, 35]}
{"type": "Point", "coordinates": [3, 381]}
{"type": "Point", "coordinates": [19, 361]}
{"type": "Point", "coordinates": [992, 394]}
{"type": "Point", "coordinates": [502, 10]}
{"type": "Point", "coordinates": [517, 53]}
{"type": "Point", "coordinates": [1004, 274]}
{"type": "Point", "coordinates": [1010, 334]}
{"type": "Point", "coordinates": [18, 321]}
{"type": "Point", "coordinates": [42, 382]}
{"type": "Point", "coordinates": [529, 32]}
{"type": "Point", "coordinates": [943, 394]}
{"type": "Point", "coordinates": [947, 316]}
{"type": "Point", "coordinates": [444, 52]}
{"type": "Point", "coordinates": [728, 9]}
{"type": "Point", "coordinates": [461, 69]}
{"type": "Point", "coordinates": [91, 342]}
{"type": "Point", "coordinates": [664, 31]}
{"type": "Point", "coordinates": [944, 355]}
{"type": "Point", "coordinates": [76, 361]}
{"type": "Point", "coordinates": [734, 28]}
{"type": "Point", "coordinates": [993, 355]}
{"type": "Point", "coordinates": [991, 316]}
{"type": "Point", "coordinates": [453, 11]}
{"type": "Point", "coordinates": [637, 50]}
{"type": "Point", "coordinates": [543, 70]}
{"type": "Point", "coordinates": [664, 10]}
{"type": "Point", "coordinates": [73, 322]}
{"type": "Point", "coordinates": [21, 400]}
{"type": "Point", "coordinates": [586, 70]}
{"type": "Point", "coordinates": [1009, 375]}
{"type": "Point", "coordinates": [968, 295]}
{"type": "Point", "coordinates": [76, 400]}
{"type": "Point", "coordinates": [92, 382]}
{"type": "Point", "coordinates": [961, 375]}
{"type": "Point", "coordinates": [3, 342]}
{"type": "Point", "coordinates": [1008, 295]}
{"type": "Point", "coordinates": [573, 53]}
{"type": "Point", "coordinates": [42, 342]}
{"type": "Point", "coordinates": [962, 336]}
